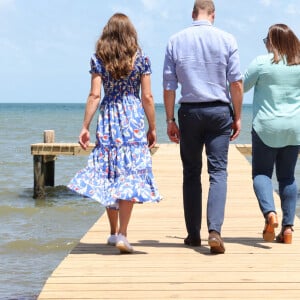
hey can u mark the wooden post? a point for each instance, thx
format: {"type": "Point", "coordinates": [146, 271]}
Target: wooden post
{"type": "Point", "coordinates": [49, 160]}
{"type": "Point", "coordinates": [39, 178]}
{"type": "Point", "coordinates": [44, 167]}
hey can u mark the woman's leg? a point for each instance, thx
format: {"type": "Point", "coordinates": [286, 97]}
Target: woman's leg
{"type": "Point", "coordinates": [285, 171]}
{"type": "Point", "coordinates": [125, 209]}
{"type": "Point", "coordinates": [113, 215]}
{"type": "Point", "coordinates": [263, 160]}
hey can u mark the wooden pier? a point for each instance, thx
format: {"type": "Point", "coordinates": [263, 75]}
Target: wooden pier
{"type": "Point", "coordinates": [163, 268]}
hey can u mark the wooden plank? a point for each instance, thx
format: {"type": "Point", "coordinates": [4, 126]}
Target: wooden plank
{"type": "Point", "coordinates": [60, 149]}
{"type": "Point", "coordinates": [172, 293]}
{"type": "Point", "coordinates": [246, 149]}
{"type": "Point", "coordinates": [163, 268]}
{"type": "Point", "coordinates": [75, 149]}
{"type": "Point", "coordinates": [172, 286]}
{"type": "Point", "coordinates": [66, 149]}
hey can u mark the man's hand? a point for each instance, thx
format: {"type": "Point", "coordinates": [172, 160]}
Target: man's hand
{"type": "Point", "coordinates": [173, 132]}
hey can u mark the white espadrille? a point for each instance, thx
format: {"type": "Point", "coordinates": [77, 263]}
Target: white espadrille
{"type": "Point", "coordinates": [112, 240]}
{"type": "Point", "coordinates": [123, 245]}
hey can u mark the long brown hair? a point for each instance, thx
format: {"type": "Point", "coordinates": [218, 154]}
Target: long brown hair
{"type": "Point", "coordinates": [284, 44]}
{"type": "Point", "coordinates": [118, 45]}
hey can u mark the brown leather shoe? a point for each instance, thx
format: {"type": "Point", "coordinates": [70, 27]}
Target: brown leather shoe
{"type": "Point", "coordinates": [216, 243]}
{"type": "Point", "coordinates": [271, 223]}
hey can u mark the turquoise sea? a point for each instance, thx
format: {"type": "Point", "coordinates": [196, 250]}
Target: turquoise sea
{"type": "Point", "coordinates": [35, 235]}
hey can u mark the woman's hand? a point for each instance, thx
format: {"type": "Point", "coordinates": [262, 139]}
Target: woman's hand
{"type": "Point", "coordinates": [84, 138]}
{"type": "Point", "coordinates": [151, 138]}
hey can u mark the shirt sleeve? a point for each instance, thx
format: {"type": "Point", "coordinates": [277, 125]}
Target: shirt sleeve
{"type": "Point", "coordinates": [170, 81]}
{"type": "Point", "coordinates": [233, 69]}
{"type": "Point", "coordinates": [96, 67]}
{"type": "Point", "coordinates": [146, 66]}
{"type": "Point", "coordinates": [251, 75]}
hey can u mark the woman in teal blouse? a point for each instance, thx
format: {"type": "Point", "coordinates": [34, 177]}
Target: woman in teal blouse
{"type": "Point", "coordinates": [276, 127]}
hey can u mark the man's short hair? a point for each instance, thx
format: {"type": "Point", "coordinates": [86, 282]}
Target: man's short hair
{"type": "Point", "coordinates": [206, 5]}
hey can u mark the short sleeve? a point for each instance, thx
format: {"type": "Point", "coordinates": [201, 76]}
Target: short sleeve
{"type": "Point", "coordinates": [233, 67]}
{"type": "Point", "coordinates": [96, 66]}
{"type": "Point", "coordinates": [146, 66]}
{"type": "Point", "coordinates": [170, 80]}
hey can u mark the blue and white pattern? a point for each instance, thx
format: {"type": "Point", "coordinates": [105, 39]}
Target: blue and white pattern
{"type": "Point", "coordinates": [120, 165]}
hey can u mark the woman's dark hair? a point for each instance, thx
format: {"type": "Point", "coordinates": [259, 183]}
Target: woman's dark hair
{"type": "Point", "coordinates": [284, 44]}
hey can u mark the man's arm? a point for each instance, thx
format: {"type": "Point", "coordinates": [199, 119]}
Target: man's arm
{"type": "Point", "coordinates": [172, 128]}
{"type": "Point", "coordinates": [236, 91]}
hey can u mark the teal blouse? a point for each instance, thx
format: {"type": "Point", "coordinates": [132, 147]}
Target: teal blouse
{"type": "Point", "coordinates": [276, 100]}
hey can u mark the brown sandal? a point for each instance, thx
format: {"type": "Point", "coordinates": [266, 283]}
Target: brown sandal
{"type": "Point", "coordinates": [271, 223]}
{"type": "Point", "coordinates": [286, 235]}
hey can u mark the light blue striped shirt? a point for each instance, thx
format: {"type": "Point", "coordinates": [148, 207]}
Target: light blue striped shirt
{"type": "Point", "coordinates": [202, 59]}
{"type": "Point", "coordinates": [276, 100]}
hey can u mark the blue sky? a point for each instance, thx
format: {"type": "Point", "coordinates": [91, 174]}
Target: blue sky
{"type": "Point", "coordinates": [45, 45]}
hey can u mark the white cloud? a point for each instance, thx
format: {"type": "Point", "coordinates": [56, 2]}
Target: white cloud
{"type": "Point", "coordinates": [12, 56]}
{"type": "Point", "coordinates": [155, 7]}
{"type": "Point", "coordinates": [151, 5]}
{"type": "Point", "coordinates": [292, 9]}
{"type": "Point", "coordinates": [7, 44]}
{"type": "Point", "coordinates": [7, 4]}
{"type": "Point", "coordinates": [266, 2]}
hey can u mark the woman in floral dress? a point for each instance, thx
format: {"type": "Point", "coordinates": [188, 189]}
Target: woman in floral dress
{"type": "Point", "coordinates": [119, 169]}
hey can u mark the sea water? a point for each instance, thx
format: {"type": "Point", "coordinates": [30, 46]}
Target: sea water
{"type": "Point", "coordinates": [35, 235]}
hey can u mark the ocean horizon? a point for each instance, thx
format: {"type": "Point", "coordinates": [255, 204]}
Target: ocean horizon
{"type": "Point", "coordinates": [37, 234]}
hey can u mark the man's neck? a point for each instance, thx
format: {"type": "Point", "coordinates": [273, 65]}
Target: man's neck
{"type": "Point", "coordinates": [205, 17]}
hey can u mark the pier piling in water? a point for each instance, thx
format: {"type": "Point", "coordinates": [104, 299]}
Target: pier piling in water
{"type": "Point", "coordinates": [44, 168]}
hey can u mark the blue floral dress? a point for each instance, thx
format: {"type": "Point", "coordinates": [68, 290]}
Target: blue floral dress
{"type": "Point", "coordinates": [120, 165]}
